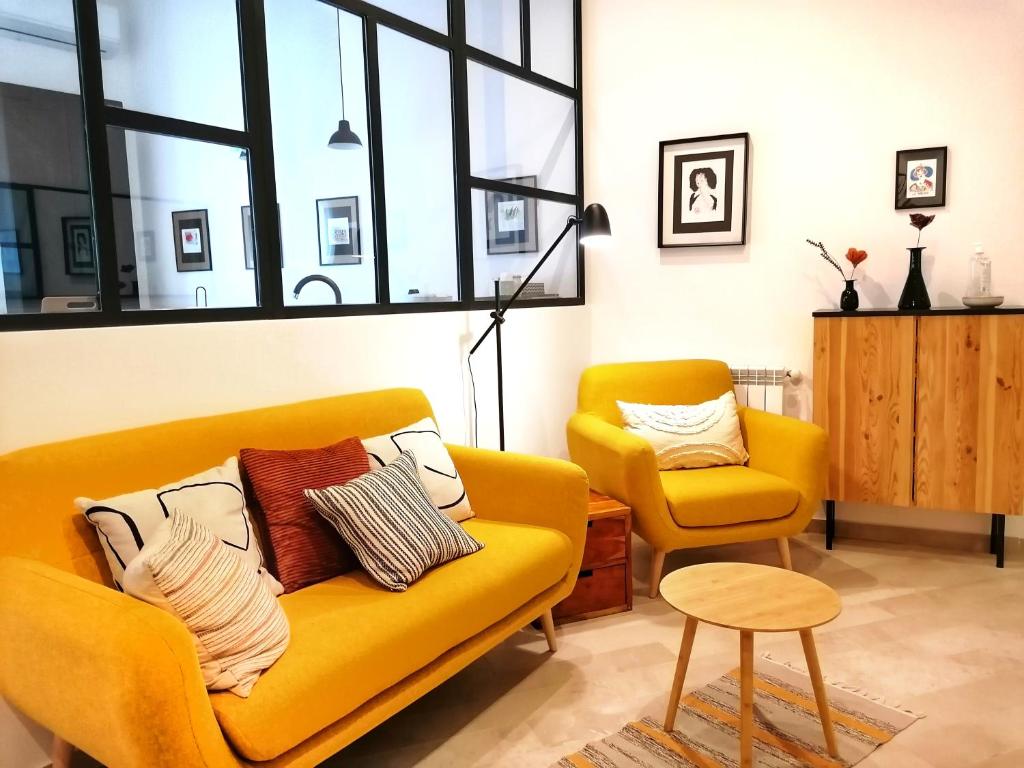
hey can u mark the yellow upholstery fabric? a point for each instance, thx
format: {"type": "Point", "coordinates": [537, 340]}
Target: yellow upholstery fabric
{"type": "Point", "coordinates": [119, 678]}
{"type": "Point", "coordinates": [726, 496]}
{"type": "Point", "coordinates": [623, 465]}
{"type": "Point", "coordinates": [352, 639]}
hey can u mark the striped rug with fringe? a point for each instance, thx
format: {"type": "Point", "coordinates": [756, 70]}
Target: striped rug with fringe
{"type": "Point", "coordinates": [787, 731]}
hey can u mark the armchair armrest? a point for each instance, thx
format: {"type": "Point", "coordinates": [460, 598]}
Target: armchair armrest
{"type": "Point", "coordinates": [533, 490]}
{"type": "Point", "coordinates": [114, 676]}
{"type": "Point", "coordinates": [789, 448]}
{"type": "Point", "coordinates": [623, 466]}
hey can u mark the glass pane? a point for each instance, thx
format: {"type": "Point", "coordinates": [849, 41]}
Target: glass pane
{"type": "Point", "coordinates": [46, 233]}
{"type": "Point", "coordinates": [553, 40]}
{"type": "Point", "coordinates": [518, 129]}
{"type": "Point", "coordinates": [429, 13]}
{"type": "Point", "coordinates": [324, 193]}
{"type": "Point", "coordinates": [510, 235]}
{"type": "Point", "coordinates": [177, 58]}
{"type": "Point", "coordinates": [179, 204]}
{"type": "Point", "coordinates": [493, 26]}
{"type": "Point", "coordinates": [416, 115]}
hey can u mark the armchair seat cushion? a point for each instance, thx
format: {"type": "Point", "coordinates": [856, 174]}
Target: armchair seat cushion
{"type": "Point", "coordinates": [728, 495]}
{"type": "Point", "coordinates": [352, 639]}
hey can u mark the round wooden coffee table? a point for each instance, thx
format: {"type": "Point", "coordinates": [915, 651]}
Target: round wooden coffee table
{"type": "Point", "coordinates": [751, 598]}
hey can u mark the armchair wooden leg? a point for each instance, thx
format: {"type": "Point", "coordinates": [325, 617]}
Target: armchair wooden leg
{"type": "Point", "coordinates": [657, 565]}
{"type": "Point", "coordinates": [60, 753]}
{"type": "Point", "coordinates": [787, 560]}
{"type": "Point", "coordinates": [547, 621]}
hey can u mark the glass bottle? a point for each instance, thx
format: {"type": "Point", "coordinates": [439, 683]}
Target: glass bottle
{"type": "Point", "coordinates": [981, 273]}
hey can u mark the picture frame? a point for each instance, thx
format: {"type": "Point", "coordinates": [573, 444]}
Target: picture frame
{"type": "Point", "coordinates": [79, 250]}
{"type": "Point", "coordinates": [921, 176]}
{"type": "Point", "coordinates": [249, 233]}
{"type": "Point", "coordinates": [511, 219]}
{"type": "Point", "coordinates": [10, 252]}
{"type": "Point", "coordinates": [703, 190]}
{"type": "Point", "coordinates": [192, 240]}
{"type": "Point", "coordinates": [338, 227]}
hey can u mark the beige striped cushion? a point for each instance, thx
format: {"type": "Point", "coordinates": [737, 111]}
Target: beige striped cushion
{"type": "Point", "coordinates": [238, 627]}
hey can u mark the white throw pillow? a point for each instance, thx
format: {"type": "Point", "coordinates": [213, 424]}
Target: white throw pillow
{"type": "Point", "coordinates": [237, 626]}
{"type": "Point", "coordinates": [435, 466]}
{"type": "Point", "coordinates": [213, 498]}
{"type": "Point", "coordinates": [689, 436]}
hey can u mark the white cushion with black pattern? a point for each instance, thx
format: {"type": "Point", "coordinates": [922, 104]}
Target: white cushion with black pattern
{"type": "Point", "coordinates": [213, 498]}
{"type": "Point", "coordinates": [390, 523]}
{"type": "Point", "coordinates": [436, 468]}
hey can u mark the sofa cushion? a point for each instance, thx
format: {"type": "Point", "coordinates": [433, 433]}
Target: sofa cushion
{"type": "Point", "coordinates": [352, 639]}
{"type": "Point", "coordinates": [726, 495]}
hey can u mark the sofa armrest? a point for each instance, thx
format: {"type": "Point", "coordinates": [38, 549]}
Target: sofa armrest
{"type": "Point", "coordinates": [623, 466]}
{"type": "Point", "coordinates": [789, 448]}
{"type": "Point", "coordinates": [534, 490]}
{"type": "Point", "coordinates": [116, 677]}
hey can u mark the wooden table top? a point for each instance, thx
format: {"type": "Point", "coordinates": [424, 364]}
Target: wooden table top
{"type": "Point", "coordinates": [755, 598]}
{"type": "Point", "coordinates": [605, 506]}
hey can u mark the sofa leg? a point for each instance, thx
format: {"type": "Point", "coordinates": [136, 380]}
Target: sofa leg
{"type": "Point", "coordinates": [787, 559]}
{"type": "Point", "coordinates": [547, 621]}
{"type": "Point", "coordinates": [60, 753]}
{"type": "Point", "coordinates": [657, 566]}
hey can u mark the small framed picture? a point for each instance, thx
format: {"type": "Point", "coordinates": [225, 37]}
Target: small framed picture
{"type": "Point", "coordinates": [338, 220]}
{"type": "Point", "coordinates": [79, 254]}
{"type": "Point", "coordinates": [512, 219]}
{"type": "Point", "coordinates": [920, 178]}
{"type": "Point", "coordinates": [192, 241]}
{"type": "Point", "coordinates": [702, 191]}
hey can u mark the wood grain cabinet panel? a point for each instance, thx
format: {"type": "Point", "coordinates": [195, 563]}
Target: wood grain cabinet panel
{"type": "Point", "coordinates": [969, 452]}
{"type": "Point", "coordinates": [864, 399]}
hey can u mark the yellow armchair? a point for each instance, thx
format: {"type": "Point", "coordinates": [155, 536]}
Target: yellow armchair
{"type": "Point", "coordinates": [772, 497]}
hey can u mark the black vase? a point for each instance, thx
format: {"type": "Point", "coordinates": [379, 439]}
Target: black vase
{"type": "Point", "coordinates": [849, 301]}
{"type": "Point", "coordinates": [915, 294]}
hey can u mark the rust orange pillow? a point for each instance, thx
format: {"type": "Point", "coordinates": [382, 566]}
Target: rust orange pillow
{"type": "Point", "coordinates": [304, 548]}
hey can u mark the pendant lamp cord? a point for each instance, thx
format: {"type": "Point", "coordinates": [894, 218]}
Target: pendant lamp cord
{"type": "Point", "coordinates": [341, 71]}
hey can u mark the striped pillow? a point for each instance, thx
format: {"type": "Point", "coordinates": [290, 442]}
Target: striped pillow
{"type": "Point", "coordinates": [392, 526]}
{"type": "Point", "coordinates": [238, 628]}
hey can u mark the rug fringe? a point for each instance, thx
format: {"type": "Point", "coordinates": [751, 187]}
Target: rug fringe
{"type": "Point", "coordinates": [855, 690]}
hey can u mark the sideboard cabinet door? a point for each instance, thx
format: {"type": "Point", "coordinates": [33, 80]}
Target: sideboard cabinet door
{"type": "Point", "coordinates": [970, 414]}
{"type": "Point", "coordinates": [864, 398]}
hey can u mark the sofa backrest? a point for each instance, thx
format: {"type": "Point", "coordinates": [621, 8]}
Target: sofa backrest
{"type": "Point", "coordinates": [38, 484]}
{"type": "Point", "coordinates": [665, 382]}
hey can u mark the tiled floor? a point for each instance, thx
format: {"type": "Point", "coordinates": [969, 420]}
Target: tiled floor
{"type": "Point", "coordinates": [939, 632]}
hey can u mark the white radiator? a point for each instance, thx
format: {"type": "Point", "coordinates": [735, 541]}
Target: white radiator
{"type": "Point", "coordinates": [761, 387]}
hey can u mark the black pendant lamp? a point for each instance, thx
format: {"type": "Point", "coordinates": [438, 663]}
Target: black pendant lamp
{"type": "Point", "coordinates": [344, 137]}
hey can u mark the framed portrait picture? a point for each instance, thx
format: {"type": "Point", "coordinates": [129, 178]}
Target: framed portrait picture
{"type": "Point", "coordinates": [512, 219]}
{"type": "Point", "coordinates": [79, 254]}
{"type": "Point", "coordinates": [338, 220]}
{"type": "Point", "coordinates": [191, 241]}
{"type": "Point", "coordinates": [10, 252]}
{"type": "Point", "coordinates": [702, 191]}
{"type": "Point", "coordinates": [920, 178]}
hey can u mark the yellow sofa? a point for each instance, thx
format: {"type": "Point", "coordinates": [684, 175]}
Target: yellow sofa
{"type": "Point", "coordinates": [772, 497]}
{"type": "Point", "coordinates": [120, 679]}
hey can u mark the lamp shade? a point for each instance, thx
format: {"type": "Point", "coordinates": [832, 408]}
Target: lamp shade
{"type": "Point", "coordinates": [344, 137]}
{"type": "Point", "coordinates": [595, 227]}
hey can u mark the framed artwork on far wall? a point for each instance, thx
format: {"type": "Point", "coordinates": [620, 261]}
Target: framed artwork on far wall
{"type": "Point", "coordinates": [192, 241]}
{"type": "Point", "coordinates": [79, 255]}
{"type": "Point", "coordinates": [702, 191]}
{"type": "Point", "coordinates": [338, 221]}
{"type": "Point", "coordinates": [512, 219]}
{"type": "Point", "coordinates": [920, 178]}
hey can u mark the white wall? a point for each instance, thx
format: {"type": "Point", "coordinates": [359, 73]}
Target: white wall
{"type": "Point", "coordinates": [829, 91]}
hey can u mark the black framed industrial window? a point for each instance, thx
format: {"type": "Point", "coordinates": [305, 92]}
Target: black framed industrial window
{"type": "Point", "coordinates": [475, 182]}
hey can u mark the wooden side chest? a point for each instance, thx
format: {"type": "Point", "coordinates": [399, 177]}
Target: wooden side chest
{"type": "Point", "coordinates": [605, 583]}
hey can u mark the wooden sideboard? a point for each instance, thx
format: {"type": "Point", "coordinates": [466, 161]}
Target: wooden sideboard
{"type": "Point", "coordinates": [923, 409]}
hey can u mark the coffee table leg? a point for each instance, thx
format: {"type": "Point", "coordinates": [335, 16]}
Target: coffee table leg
{"type": "Point", "coordinates": [746, 699]}
{"type": "Point", "coordinates": [677, 682]}
{"type": "Point", "coordinates": [814, 669]}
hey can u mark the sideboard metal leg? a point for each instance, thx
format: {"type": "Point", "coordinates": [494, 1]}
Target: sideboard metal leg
{"type": "Point", "coordinates": [999, 538]}
{"type": "Point", "coordinates": [992, 536]}
{"type": "Point", "coordinates": [830, 522]}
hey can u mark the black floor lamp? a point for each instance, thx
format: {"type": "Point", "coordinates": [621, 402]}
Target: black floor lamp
{"type": "Point", "coordinates": [594, 227]}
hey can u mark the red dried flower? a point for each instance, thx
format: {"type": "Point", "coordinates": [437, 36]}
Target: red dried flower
{"type": "Point", "coordinates": [921, 221]}
{"type": "Point", "coordinates": [855, 257]}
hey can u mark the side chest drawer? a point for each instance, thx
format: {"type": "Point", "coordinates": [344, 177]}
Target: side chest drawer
{"type": "Point", "coordinates": [607, 541]}
{"type": "Point", "coordinates": [602, 590]}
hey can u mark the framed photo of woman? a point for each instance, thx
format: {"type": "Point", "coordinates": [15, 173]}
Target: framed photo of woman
{"type": "Point", "coordinates": [920, 178]}
{"type": "Point", "coordinates": [702, 191]}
